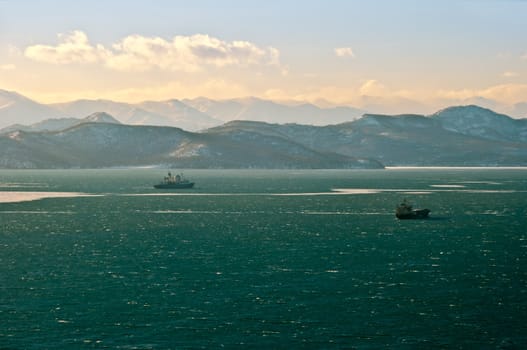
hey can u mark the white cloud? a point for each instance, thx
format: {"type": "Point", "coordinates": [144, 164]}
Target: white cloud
{"type": "Point", "coordinates": [373, 88]}
{"type": "Point", "coordinates": [73, 48]}
{"type": "Point", "coordinates": [186, 53]}
{"type": "Point", "coordinates": [344, 52]}
{"type": "Point", "coordinates": [140, 53]}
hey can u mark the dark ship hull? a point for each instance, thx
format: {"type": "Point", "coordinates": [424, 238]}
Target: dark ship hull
{"type": "Point", "coordinates": [174, 182]}
{"type": "Point", "coordinates": [168, 186]}
{"type": "Point", "coordinates": [414, 214]}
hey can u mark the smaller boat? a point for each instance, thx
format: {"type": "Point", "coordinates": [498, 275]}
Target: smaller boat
{"type": "Point", "coordinates": [405, 211]}
{"type": "Point", "coordinates": [177, 181]}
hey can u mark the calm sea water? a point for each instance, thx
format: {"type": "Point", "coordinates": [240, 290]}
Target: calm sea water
{"type": "Point", "coordinates": [263, 259]}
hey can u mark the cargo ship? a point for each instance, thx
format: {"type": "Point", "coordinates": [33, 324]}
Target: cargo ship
{"type": "Point", "coordinates": [174, 181]}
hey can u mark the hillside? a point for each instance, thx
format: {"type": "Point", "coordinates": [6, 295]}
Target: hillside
{"type": "Point", "coordinates": [456, 136]}
{"type": "Point", "coordinates": [94, 145]}
{"type": "Point", "coordinates": [412, 139]}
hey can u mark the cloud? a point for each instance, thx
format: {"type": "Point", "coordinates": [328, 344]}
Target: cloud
{"type": "Point", "coordinates": [504, 93]}
{"type": "Point", "coordinates": [336, 94]}
{"type": "Point", "coordinates": [141, 53]}
{"type": "Point", "coordinates": [509, 74]}
{"type": "Point", "coordinates": [7, 67]}
{"type": "Point", "coordinates": [186, 53]}
{"type": "Point", "coordinates": [73, 48]}
{"type": "Point", "coordinates": [344, 52]}
{"type": "Point", "coordinates": [510, 93]}
{"type": "Point", "coordinates": [13, 51]}
{"type": "Point", "coordinates": [373, 88]}
{"type": "Point", "coordinates": [213, 88]}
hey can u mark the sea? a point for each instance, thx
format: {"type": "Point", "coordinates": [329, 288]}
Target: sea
{"type": "Point", "coordinates": [263, 259]}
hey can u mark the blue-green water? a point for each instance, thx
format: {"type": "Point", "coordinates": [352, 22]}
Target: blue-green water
{"type": "Point", "coordinates": [264, 259]}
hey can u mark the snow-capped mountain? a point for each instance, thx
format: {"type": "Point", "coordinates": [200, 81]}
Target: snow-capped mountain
{"type": "Point", "coordinates": [161, 113]}
{"type": "Point", "coordinates": [481, 122]}
{"type": "Point", "coordinates": [179, 114]}
{"type": "Point", "coordinates": [409, 140]}
{"type": "Point", "coordinates": [456, 136]}
{"type": "Point", "coordinates": [100, 117]}
{"type": "Point", "coordinates": [82, 108]}
{"type": "Point", "coordinates": [202, 113]}
{"type": "Point", "coordinates": [17, 109]}
{"type": "Point", "coordinates": [94, 145]}
{"type": "Point", "coordinates": [193, 115]}
{"type": "Point", "coordinates": [256, 109]}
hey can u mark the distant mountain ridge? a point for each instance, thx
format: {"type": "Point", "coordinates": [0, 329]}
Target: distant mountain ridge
{"type": "Point", "coordinates": [189, 114]}
{"type": "Point", "coordinates": [61, 123]}
{"type": "Point", "coordinates": [17, 109]}
{"type": "Point", "coordinates": [256, 109]}
{"type": "Point", "coordinates": [457, 136]}
{"type": "Point", "coordinates": [159, 113]}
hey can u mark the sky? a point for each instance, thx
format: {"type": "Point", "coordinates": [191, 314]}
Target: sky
{"type": "Point", "coordinates": [407, 55]}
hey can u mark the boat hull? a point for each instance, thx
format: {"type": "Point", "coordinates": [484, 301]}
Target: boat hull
{"type": "Point", "coordinates": [174, 186]}
{"type": "Point", "coordinates": [415, 214]}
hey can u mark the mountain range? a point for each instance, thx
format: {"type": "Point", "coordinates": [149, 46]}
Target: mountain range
{"type": "Point", "coordinates": [455, 136]}
{"type": "Point", "coordinates": [56, 124]}
{"type": "Point", "coordinates": [95, 145]}
{"type": "Point", "coordinates": [189, 114]}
